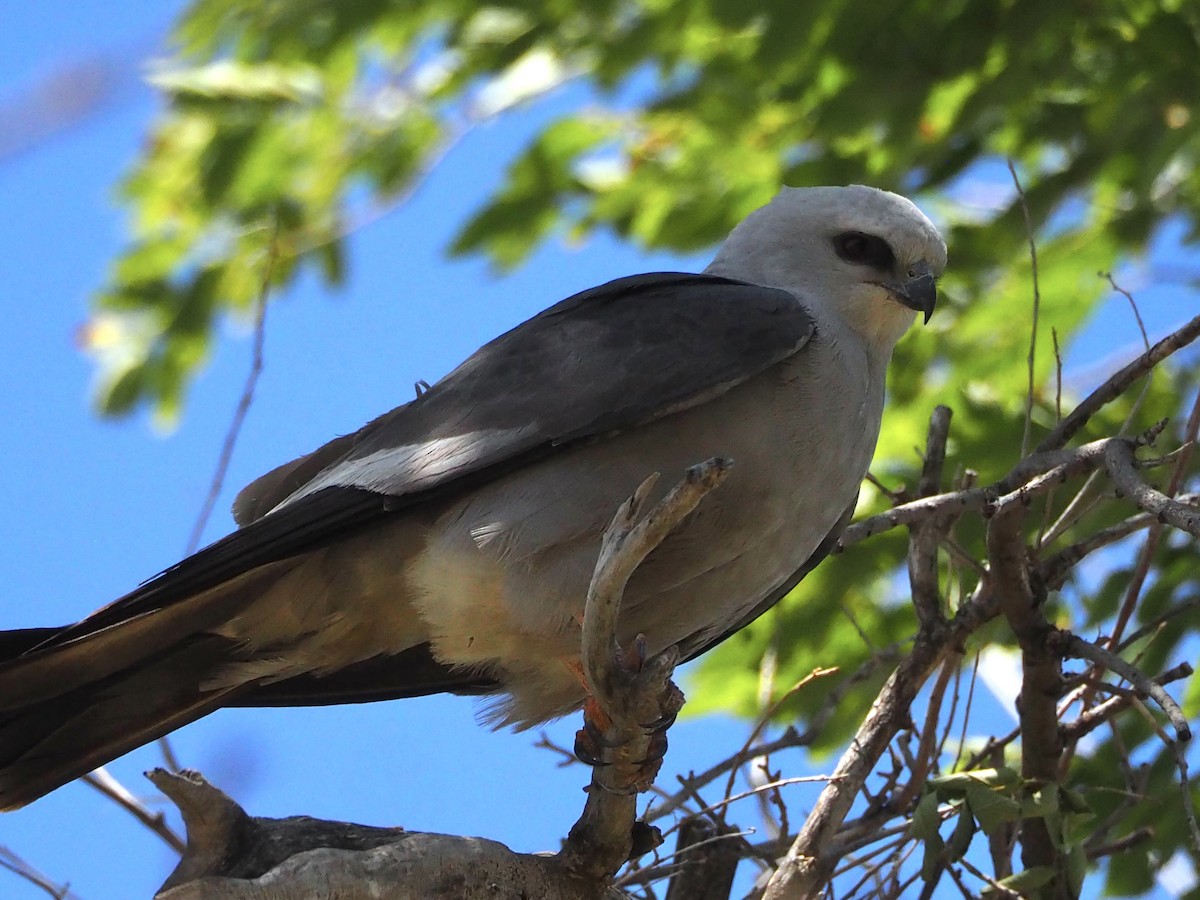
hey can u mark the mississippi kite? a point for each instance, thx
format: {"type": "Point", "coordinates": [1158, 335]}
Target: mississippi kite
{"type": "Point", "coordinates": [447, 545]}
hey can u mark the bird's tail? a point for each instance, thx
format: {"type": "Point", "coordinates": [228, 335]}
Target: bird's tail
{"type": "Point", "coordinates": [63, 735]}
{"type": "Point", "coordinates": [75, 698]}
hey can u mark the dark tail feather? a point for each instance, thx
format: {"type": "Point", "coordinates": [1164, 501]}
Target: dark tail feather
{"type": "Point", "coordinates": [53, 741]}
{"type": "Point", "coordinates": [92, 650]}
{"type": "Point", "coordinates": [410, 673]}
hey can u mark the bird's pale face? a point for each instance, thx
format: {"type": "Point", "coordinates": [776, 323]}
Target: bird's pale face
{"type": "Point", "coordinates": [869, 256]}
{"type": "Point", "coordinates": [886, 278]}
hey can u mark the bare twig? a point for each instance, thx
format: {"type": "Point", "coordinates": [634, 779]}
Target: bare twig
{"type": "Point", "coordinates": [766, 717]}
{"type": "Point", "coordinates": [1133, 839]}
{"type": "Point", "coordinates": [1154, 536]}
{"type": "Point", "coordinates": [759, 789]}
{"type": "Point", "coordinates": [1122, 468]}
{"type": "Point", "coordinates": [926, 535]}
{"type": "Point", "coordinates": [810, 860]}
{"type": "Point", "coordinates": [23, 869]}
{"type": "Point", "coordinates": [680, 860]}
{"type": "Point", "coordinates": [790, 739]}
{"type": "Point", "coordinates": [1031, 476]}
{"type": "Point", "coordinates": [243, 407]}
{"type": "Point", "coordinates": [1117, 384]}
{"type": "Point", "coordinates": [1183, 608]}
{"type": "Point", "coordinates": [1073, 645]}
{"type": "Point", "coordinates": [1056, 568]}
{"type": "Point", "coordinates": [1037, 305]}
{"type": "Point", "coordinates": [102, 781]}
{"type": "Point", "coordinates": [1049, 505]}
{"type": "Point", "coordinates": [966, 719]}
{"type": "Point", "coordinates": [1137, 313]}
{"type": "Point", "coordinates": [1058, 378]}
{"type": "Point", "coordinates": [1095, 716]}
{"type": "Point", "coordinates": [1181, 763]}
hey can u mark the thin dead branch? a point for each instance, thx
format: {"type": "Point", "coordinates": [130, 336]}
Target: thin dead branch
{"type": "Point", "coordinates": [1037, 306]}
{"type": "Point", "coordinates": [1117, 384]}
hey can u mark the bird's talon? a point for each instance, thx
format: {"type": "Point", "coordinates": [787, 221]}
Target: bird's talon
{"type": "Point", "coordinates": [656, 750]}
{"type": "Point", "coordinates": [631, 659]}
{"type": "Point", "coordinates": [662, 723]}
{"type": "Point", "coordinates": [588, 750]}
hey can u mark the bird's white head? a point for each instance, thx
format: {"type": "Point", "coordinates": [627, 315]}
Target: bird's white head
{"type": "Point", "coordinates": [867, 256]}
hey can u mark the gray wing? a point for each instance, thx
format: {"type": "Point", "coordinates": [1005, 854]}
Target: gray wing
{"type": "Point", "coordinates": [602, 361]}
{"type": "Point", "coordinates": [608, 359]}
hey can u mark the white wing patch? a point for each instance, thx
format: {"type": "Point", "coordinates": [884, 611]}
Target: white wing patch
{"type": "Point", "coordinates": [393, 468]}
{"type": "Point", "coordinates": [484, 535]}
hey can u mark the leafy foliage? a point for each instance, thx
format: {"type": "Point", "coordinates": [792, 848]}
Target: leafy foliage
{"type": "Point", "coordinates": [288, 123]}
{"type": "Point", "coordinates": [283, 113]}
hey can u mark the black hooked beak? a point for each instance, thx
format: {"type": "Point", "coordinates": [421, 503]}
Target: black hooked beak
{"type": "Point", "coordinates": [919, 290]}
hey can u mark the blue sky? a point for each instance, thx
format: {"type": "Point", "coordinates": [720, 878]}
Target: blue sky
{"type": "Point", "coordinates": [93, 507]}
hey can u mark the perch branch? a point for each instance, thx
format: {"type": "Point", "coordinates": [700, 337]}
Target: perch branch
{"type": "Point", "coordinates": [635, 702]}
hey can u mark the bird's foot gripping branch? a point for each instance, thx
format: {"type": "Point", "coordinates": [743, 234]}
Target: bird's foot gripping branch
{"type": "Point", "coordinates": [231, 854]}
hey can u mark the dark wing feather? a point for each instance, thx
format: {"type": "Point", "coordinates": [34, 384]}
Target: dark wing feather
{"type": "Point", "coordinates": [610, 358]}
{"type": "Point", "coordinates": [412, 673]}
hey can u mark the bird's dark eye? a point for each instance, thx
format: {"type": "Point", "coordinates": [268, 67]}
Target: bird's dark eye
{"type": "Point", "coordinates": [864, 250]}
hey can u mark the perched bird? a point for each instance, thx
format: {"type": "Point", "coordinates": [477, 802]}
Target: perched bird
{"type": "Point", "coordinates": [448, 545]}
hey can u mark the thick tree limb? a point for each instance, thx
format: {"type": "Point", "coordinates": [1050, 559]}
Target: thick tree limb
{"type": "Point", "coordinates": [1041, 686]}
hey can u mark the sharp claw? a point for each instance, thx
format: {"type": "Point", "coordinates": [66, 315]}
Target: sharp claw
{"type": "Point", "coordinates": [633, 657]}
{"type": "Point", "coordinates": [656, 750]}
{"type": "Point", "coordinates": [662, 723]}
{"type": "Point", "coordinates": [587, 749]}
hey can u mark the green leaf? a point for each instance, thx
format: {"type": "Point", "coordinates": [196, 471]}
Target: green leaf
{"type": "Point", "coordinates": [993, 810]}
{"type": "Point", "coordinates": [1129, 874]}
{"type": "Point", "coordinates": [118, 397]}
{"type": "Point", "coordinates": [964, 833]}
{"type": "Point", "coordinates": [1029, 880]}
{"type": "Point", "coordinates": [925, 819]}
{"type": "Point", "coordinates": [228, 80]}
{"type": "Point", "coordinates": [932, 861]}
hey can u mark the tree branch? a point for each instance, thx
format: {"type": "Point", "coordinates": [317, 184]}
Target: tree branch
{"type": "Point", "coordinates": [1041, 686]}
{"type": "Point", "coordinates": [1117, 384]}
{"type": "Point", "coordinates": [1122, 468]}
{"type": "Point", "coordinates": [1075, 646]}
{"type": "Point", "coordinates": [638, 701]}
